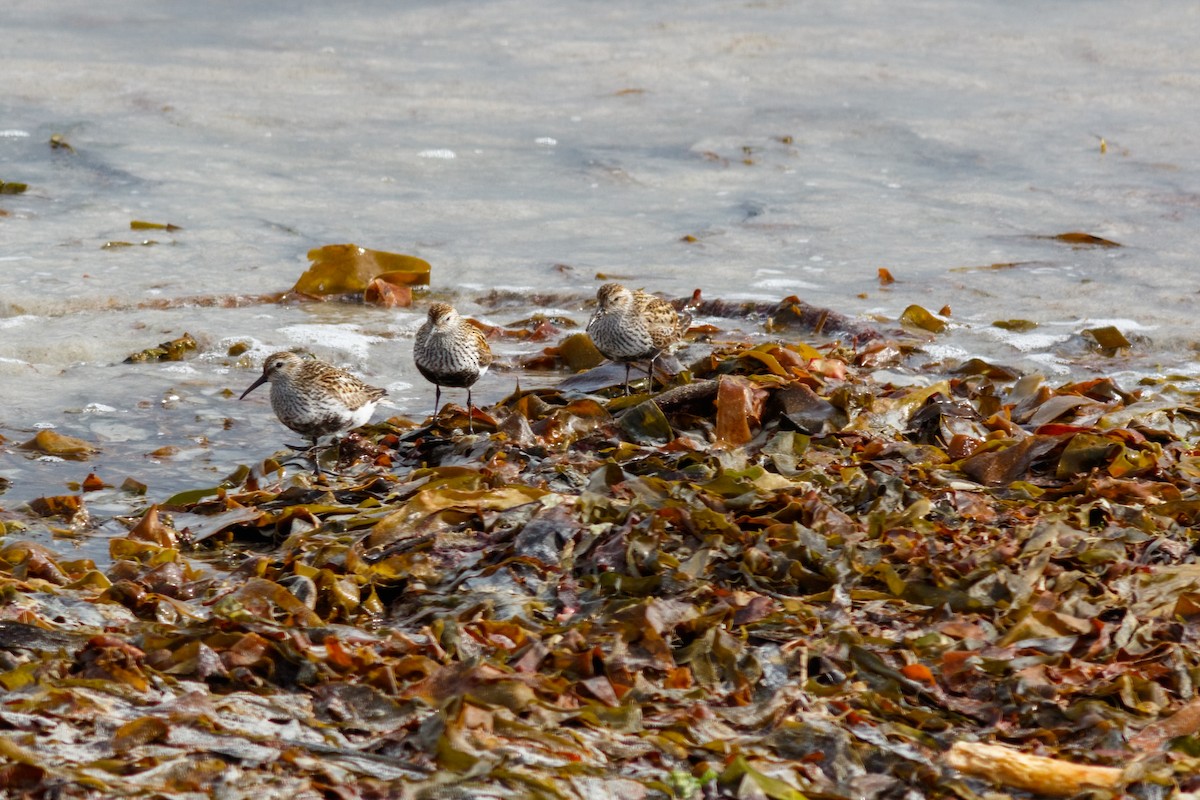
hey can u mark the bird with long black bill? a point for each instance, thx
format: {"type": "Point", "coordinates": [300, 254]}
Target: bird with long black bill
{"type": "Point", "coordinates": [314, 398]}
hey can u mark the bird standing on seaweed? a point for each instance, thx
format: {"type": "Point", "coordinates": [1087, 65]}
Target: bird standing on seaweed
{"type": "Point", "coordinates": [633, 326]}
{"type": "Point", "coordinates": [314, 398]}
{"type": "Point", "coordinates": [450, 351]}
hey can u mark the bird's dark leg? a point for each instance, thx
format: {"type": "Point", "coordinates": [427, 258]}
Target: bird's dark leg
{"type": "Point", "coordinates": [650, 375]}
{"type": "Point", "coordinates": [316, 459]}
{"type": "Point", "coordinates": [627, 378]}
{"type": "Point", "coordinates": [470, 415]}
{"type": "Point", "coordinates": [437, 399]}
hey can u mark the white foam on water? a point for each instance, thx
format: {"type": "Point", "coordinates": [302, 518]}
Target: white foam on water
{"type": "Point", "coordinates": [1028, 341]}
{"type": "Point", "coordinates": [332, 338]}
{"type": "Point", "coordinates": [180, 369]}
{"type": "Point", "coordinates": [945, 352]}
{"type": "Point", "coordinates": [785, 285]}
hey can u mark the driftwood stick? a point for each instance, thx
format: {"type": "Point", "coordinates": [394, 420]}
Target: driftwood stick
{"type": "Point", "coordinates": [687, 393]}
{"type": "Point", "coordinates": [1047, 776]}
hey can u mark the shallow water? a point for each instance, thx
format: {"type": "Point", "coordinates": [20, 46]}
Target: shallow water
{"type": "Point", "coordinates": [530, 146]}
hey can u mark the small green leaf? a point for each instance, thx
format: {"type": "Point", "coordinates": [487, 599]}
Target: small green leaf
{"type": "Point", "coordinates": [579, 352]}
{"type": "Point", "coordinates": [1082, 239]}
{"type": "Point", "coordinates": [645, 423]}
{"type": "Point", "coordinates": [140, 225]}
{"type": "Point", "coordinates": [190, 497]}
{"type": "Point", "coordinates": [923, 319]}
{"type": "Point", "coordinates": [1108, 337]}
{"type": "Point", "coordinates": [740, 771]}
{"type": "Point", "coordinates": [1018, 325]}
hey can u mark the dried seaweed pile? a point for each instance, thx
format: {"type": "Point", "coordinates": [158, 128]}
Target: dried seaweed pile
{"type": "Point", "coordinates": [781, 578]}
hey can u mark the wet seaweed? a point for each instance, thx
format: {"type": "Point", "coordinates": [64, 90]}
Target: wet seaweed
{"type": "Point", "coordinates": [781, 576]}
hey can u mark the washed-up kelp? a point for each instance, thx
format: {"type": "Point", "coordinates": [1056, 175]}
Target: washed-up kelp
{"type": "Point", "coordinates": [778, 577]}
{"type": "Point", "coordinates": [350, 269]}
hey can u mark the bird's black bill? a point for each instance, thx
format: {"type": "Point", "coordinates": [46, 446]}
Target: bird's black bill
{"type": "Point", "coordinates": [261, 380]}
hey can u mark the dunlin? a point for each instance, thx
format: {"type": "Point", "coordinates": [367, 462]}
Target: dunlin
{"type": "Point", "coordinates": [450, 351]}
{"type": "Point", "coordinates": [316, 399]}
{"type": "Point", "coordinates": [632, 325]}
